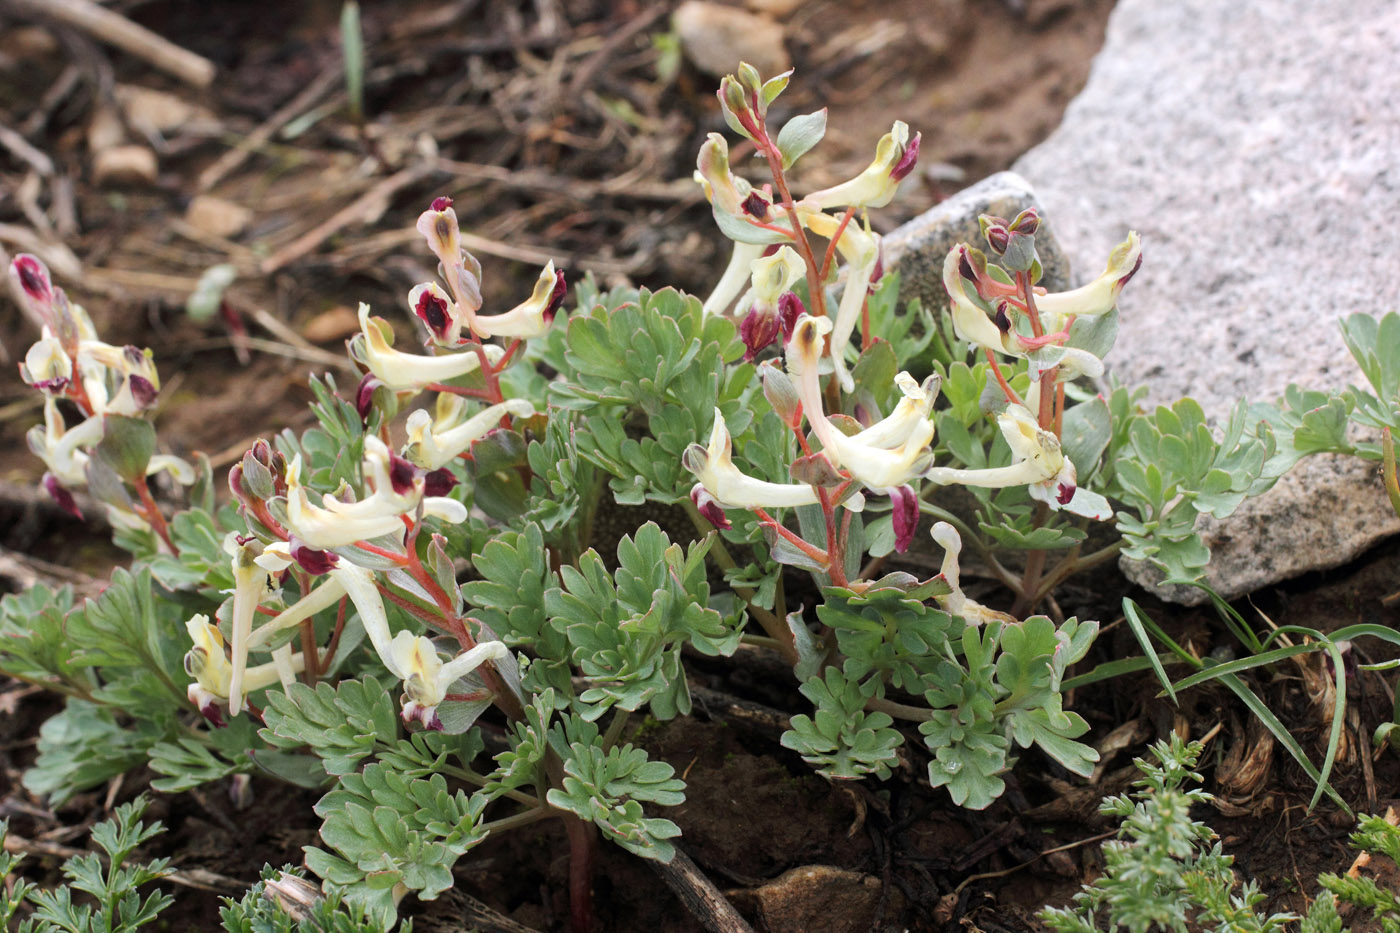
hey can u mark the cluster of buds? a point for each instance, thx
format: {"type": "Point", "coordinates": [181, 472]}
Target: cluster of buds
{"type": "Point", "coordinates": [70, 365]}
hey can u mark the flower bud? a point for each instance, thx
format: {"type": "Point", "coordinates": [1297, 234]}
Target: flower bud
{"type": "Point", "coordinates": [735, 106]}
{"type": "Point", "coordinates": [295, 895]}
{"type": "Point", "coordinates": [781, 393]}
{"type": "Point", "coordinates": [995, 231]}
{"type": "Point", "coordinates": [1026, 222]}
{"type": "Point", "coordinates": [33, 278]}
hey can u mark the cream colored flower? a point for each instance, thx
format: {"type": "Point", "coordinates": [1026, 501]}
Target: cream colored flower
{"type": "Point", "coordinates": [1037, 463]}
{"type": "Point", "coordinates": [724, 486]}
{"type": "Point", "coordinates": [861, 250]}
{"type": "Point", "coordinates": [1101, 295]}
{"type": "Point", "coordinates": [885, 456]}
{"type": "Point", "coordinates": [436, 440]}
{"type": "Point", "coordinates": [373, 347]}
{"type": "Point", "coordinates": [895, 155]}
{"type": "Point", "coordinates": [427, 679]}
{"type": "Point", "coordinates": [532, 317]}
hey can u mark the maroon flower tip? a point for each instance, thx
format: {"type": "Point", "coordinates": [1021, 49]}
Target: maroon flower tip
{"type": "Point", "coordinates": [1064, 494]}
{"type": "Point", "coordinates": [755, 206]}
{"type": "Point", "coordinates": [61, 496]}
{"type": "Point", "coordinates": [262, 451]}
{"type": "Point", "coordinates": [708, 507]}
{"type": "Point", "coordinates": [142, 391]}
{"type": "Point", "coordinates": [364, 396]}
{"type": "Point", "coordinates": [790, 308]}
{"type": "Point", "coordinates": [432, 310]}
{"type": "Point", "coordinates": [211, 712]}
{"type": "Point", "coordinates": [758, 329]}
{"type": "Point", "coordinates": [55, 385]}
{"type": "Point", "coordinates": [441, 203]}
{"type": "Point", "coordinates": [438, 482]}
{"type": "Point", "coordinates": [235, 481]}
{"type": "Point", "coordinates": [906, 162]}
{"type": "Point", "coordinates": [1003, 320]}
{"type": "Point", "coordinates": [998, 238]}
{"type": "Point", "coordinates": [1027, 222]}
{"type": "Point", "coordinates": [556, 297]}
{"type": "Point", "coordinates": [1132, 272]}
{"type": "Point", "coordinates": [33, 278]}
{"type": "Point", "coordinates": [401, 474]}
{"type": "Point", "coordinates": [878, 272]}
{"type": "Point", "coordinates": [311, 560]}
{"type": "Point", "coordinates": [965, 266]}
{"type": "Point", "coordinates": [905, 516]}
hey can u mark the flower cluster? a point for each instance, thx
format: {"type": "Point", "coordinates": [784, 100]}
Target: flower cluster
{"type": "Point", "coordinates": [69, 364]}
{"type": "Point", "coordinates": [337, 545]}
{"type": "Point", "coordinates": [997, 308]}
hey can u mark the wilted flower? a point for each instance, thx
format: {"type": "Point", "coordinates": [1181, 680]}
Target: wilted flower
{"type": "Point", "coordinates": [957, 602]}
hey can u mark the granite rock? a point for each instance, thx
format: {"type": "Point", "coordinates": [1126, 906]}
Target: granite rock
{"type": "Point", "coordinates": [1253, 147]}
{"type": "Point", "coordinates": [918, 248]}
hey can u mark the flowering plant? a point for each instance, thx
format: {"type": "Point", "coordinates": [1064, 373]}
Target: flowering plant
{"type": "Point", "coordinates": [391, 590]}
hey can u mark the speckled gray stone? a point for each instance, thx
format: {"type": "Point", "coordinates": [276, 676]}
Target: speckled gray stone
{"type": "Point", "coordinates": [1256, 148]}
{"type": "Point", "coordinates": [917, 249]}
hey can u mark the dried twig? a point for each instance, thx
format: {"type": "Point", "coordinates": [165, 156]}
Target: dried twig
{"type": "Point", "coordinates": [700, 897]}
{"type": "Point", "coordinates": [294, 108]}
{"type": "Point", "coordinates": [20, 148]}
{"type": "Point", "coordinates": [364, 209]}
{"type": "Point", "coordinates": [115, 29]}
{"type": "Point", "coordinates": [196, 878]}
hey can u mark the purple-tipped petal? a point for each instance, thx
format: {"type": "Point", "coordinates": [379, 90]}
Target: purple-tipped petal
{"type": "Point", "coordinates": [556, 297]}
{"type": "Point", "coordinates": [790, 308]}
{"type": "Point", "coordinates": [364, 396]}
{"type": "Point", "coordinates": [1131, 272]}
{"type": "Point", "coordinates": [1003, 319]}
{"type": "Point", "coordinates": [755, 206]}
{"type": "Point", "coordinates": [61, 496]}
{"type": "Point", "coordinates": [438, 482]}
{"type": "Point", "coordinates": [906, 162]}
{"type": "Point", "coordinates": [905, 515]}
{"type": "Point", "coordinates": [311, 560]}
{"type": "Point", "coordinates": [758, 329]}
{"type": "Point", "coordinates": [432, 311]}
{"type": "Point", "coordinates": [441, 203]}
{"type": "Point", "coordinates": [142, 391]}
{"type": "Point", "coordinates": [402, 474]}
{"type": "Point", "coordinates": [1064, 493]}
{"type": "Point", "coordinates": [708, 507]}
